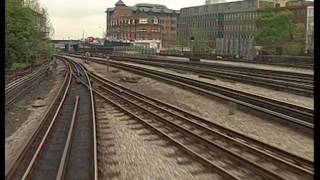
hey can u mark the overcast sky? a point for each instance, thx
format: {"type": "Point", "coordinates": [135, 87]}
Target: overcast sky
{"type": "Point", "coordinates": [71, 17]}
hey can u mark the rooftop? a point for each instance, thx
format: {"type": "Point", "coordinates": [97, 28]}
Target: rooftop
{"type": "Point", "coordinates": [145, 7]}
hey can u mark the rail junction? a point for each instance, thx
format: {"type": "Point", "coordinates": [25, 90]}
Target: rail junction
{"type": "Point", "coordinates": [66, 144]}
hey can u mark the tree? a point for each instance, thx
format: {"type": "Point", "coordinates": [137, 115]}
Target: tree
{"type": "Point", "coordinates": [274, 30]}
{"type": "Point", "coordinates": [296, 45]}
{"type": "Point", "coordinates": [170, 40]}
{"type": "Point", "coordinates": [25, 41]}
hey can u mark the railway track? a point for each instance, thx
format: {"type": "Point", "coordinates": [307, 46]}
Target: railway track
{"type": "Point", "coordinates": [17, 88]}
{"type": "Point", "coordinates": [276, 74]}
{"type": "Point", "coordinates": [225, 152]}
{"type": "Point", "coordinates": [11, 76]}
{"type": "Point", "coordinates": [301, 85]}
{"type": "Point", "coordinates": [262, 62]}
{"type": "Point", "coordinates": [264, 73]}
{"type": "Point", "coordinates": [278, 110]}
{"type": "Point", "coordinates": [64, 145]}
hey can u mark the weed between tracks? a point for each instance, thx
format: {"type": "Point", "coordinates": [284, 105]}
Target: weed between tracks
{"type": "Point", "coordinates": [233, 107]}
{"type": "Point", "coordinates": [19, 108]}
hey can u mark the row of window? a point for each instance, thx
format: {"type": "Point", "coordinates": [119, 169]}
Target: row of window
{"type": "Point", "coordinates": [222, 17]}
{"type": "Point", "coordinates": [240, 16]}
{"type": "Point", "coordinates": [134, 21]}
{"type": "Point", "coordinates": [138, 37]}
{"type": "Point", "coordinates": [241, 27]}
{"type": "Point", "coordinates": [220, 7]}
{"type": "Point", "coordinates": [215, 34]}
{"type": "Point", "coordinates": [154, 20]}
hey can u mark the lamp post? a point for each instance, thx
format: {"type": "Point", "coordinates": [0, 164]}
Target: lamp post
{"type": "Point", "coordinates": [192, 58]}
{"type": "Point", "coordinates": [238, 35]}
{"type": "Point", "coordinates": [192, 46]}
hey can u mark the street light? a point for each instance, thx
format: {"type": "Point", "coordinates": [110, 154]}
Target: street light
{"type": "Point", "coordinates": [238, 34]}
{"type": "Point", "coordinates": [192, 58]}
{"type": "Point", "coordinates": [192, 46]}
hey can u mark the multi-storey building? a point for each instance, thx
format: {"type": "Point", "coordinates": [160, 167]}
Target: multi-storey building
{"type": "Point", "coordinates": [229, 27]}
{"type": "Point", "coordinates": [142, 24]}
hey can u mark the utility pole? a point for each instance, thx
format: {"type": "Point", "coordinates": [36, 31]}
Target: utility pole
{"type": "Point", "coordinates": [239, 35]}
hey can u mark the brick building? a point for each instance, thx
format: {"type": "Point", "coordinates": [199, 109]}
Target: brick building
{"type": "Point", "coordinates": [143, 24]}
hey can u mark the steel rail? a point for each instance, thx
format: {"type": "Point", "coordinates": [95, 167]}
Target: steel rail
{"type": "Point", "coordinates": [78, 67]}
{"type": "Point", "coordinates": [66, 151]}
{"type": "Point", "coordinates": [284, 74]}
{"type": "Point", "coordinates": [251, 72]}
{"type": "Point", "coordinates": [243, 139]}
{"type": "Point", "coordinates": [298, 108]}
{"type": "Point", "coordinates": [13, 95]}
{"type": "Point", "coordinates": [31, 141]}
{"type": "Point", "coordinates": [287, 85]}
{"type": "Point", "coordinates": [275, 154]}
{"type": "Point", "coordinates": [40, 147]}
{"type": "Point", "coordinates": [24, 72]}
{"type": "Point", "coordinates": [290, 113]}
{"type": "Point", "coordinates": [67, 162]}
{"type": "Point", "coordinates": [257, 168]}
{"type": "Point", "coordinates": [95, 156]}
{"type": "Point", "coordinates": [17, 88]}
{"type": "Point", "coordinates": [278, 74]}
{"type": "Point", "coordinates": [204, 160]}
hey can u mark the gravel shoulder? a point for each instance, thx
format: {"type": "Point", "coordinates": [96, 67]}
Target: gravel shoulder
{"type": "Point", "coordinates": [24, 116]}
{"type": "Point", "coordinates": [225, 114]}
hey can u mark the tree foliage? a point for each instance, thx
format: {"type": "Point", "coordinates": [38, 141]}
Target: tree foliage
{"type": "Point", "coordinates": [274, 29]}
{"type": "Point", "coordinates": [170, 41]}
{"type": "Point", "coordinates": [25, 33]}
{"type": "Point", "coordinates": [297, 40]}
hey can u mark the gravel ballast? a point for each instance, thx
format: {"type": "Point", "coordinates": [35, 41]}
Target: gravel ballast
{"type": "Point", "coordinates": [128, 150]}
{"type": "Point", "coordinates": [277, 134]}
{"type": "Point", "coordinates": [261, 91]}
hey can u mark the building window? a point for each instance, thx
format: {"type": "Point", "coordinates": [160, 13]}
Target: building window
{"type": "Point", "coordinates": [143, 21]}
{"type": "Point", "coordinates": [155, 21]}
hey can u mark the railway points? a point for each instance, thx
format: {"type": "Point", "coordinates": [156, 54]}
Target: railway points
{"type": "Point", "coordinates": [74, 134]}
{"type": "Point", "coordinates": [293, 114]}
{"type": "Point", "coordinates": [65, 136]}
{"type": "Point", "coordinates": [219, 90]}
